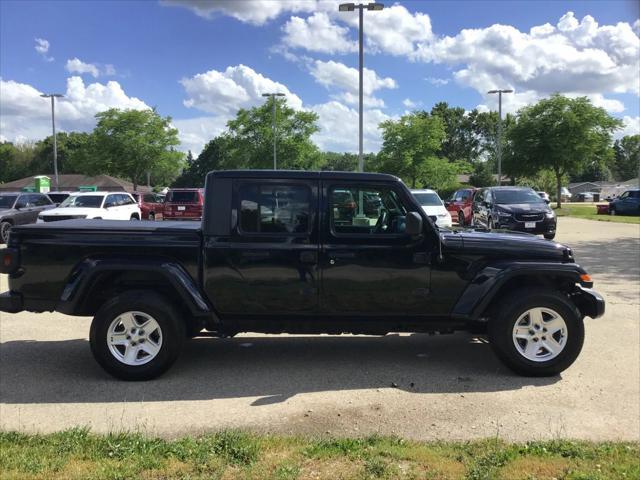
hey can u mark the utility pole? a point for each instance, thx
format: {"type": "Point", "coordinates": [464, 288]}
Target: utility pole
{"type": "Point", "coordinates": [350, 7]}
{"type": "Point", "coordinates": [53, 96]}
{"type": "Point", "coordinates": [499, 145]}
{"type": "Point", "coordinates": [273, 127]}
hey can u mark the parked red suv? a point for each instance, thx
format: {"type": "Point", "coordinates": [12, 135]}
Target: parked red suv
{"type": "Point", "coordinates": [151, 205]}
{"type": "Point", "coordinates": [183, 204]}
{"type": "Point", "coordinates": [460, 205]}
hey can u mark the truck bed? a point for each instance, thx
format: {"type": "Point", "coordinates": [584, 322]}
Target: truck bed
{"type": "Point", "coordinates": [55, 249]}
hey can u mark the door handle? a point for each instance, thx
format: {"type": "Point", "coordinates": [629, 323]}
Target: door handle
{"type": "Point", "coordinates": [309, 257]}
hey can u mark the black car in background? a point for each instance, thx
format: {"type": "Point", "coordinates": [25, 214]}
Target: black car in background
{"type": "Point", "coordinates": [58, 197]}
{"type": "Point", "coordinates": [20, 208]}
{"type": "Point", "coordinates": [513, 208]}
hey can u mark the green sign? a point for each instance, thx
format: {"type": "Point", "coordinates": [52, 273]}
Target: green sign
{"type": "Point", "coordinates": [42, 184]}
{"type": "Point", "coordinates": [87, 188]}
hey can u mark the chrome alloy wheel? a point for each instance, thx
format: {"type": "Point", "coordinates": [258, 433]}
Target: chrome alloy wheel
{"type": "Point", "coordinates": [134, 338]}
{"type": "Point", "coordinates": [540, 334]}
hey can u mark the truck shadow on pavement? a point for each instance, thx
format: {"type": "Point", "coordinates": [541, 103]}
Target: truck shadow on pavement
{"type": "Point", "coordinates": [273, 368]}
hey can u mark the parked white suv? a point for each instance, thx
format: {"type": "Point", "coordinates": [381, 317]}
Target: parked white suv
{"type": "Point", "coordinates": [432, 205]}
{"type": "Point", "coordinates": [104, 205]}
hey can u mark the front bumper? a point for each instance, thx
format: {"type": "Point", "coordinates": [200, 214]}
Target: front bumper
{"type": "Point", "coordinates": [589, 302]}
{"type": "Point", "coordinates": [546, 225]}
{"type": "Point", "coordinates": [11, 302]}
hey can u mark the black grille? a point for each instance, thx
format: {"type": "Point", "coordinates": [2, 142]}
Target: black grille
{"type": "Point", "coordinates": [55, 218]}
{"type": "Point", "coordinates": [529, 217]}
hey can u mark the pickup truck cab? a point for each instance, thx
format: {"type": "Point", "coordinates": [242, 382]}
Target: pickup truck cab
{"type": "Point", "coordinates": [277, 252]}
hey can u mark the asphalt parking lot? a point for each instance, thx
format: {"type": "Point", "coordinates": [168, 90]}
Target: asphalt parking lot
{"type": "Point", "coordinates": [415, 386]}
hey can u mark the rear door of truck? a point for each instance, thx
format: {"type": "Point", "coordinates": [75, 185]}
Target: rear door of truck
{"type": "Point", "coordinates": [261, 246]}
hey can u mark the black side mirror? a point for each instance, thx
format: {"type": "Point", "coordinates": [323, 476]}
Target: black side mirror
{"type": "Point", "coordinates": [413, 224]}
{"type": "Point", "coordinates": [20, 205]}
{"type": "Point", "coordinates": [447, 203]}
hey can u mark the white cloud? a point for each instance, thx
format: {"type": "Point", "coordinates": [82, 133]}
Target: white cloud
{"type": "Point", "coordinates": [42, 47]}
{"type": "Point", "coordinates": [407, 102]}
{"type": "Point", "coordinates": [438, 82]}
{"type": "Point", "coordinates": [572, 58]}
{"type": "Point", "coordinates": [337, 75]}
{"type": "Point", "coordinates": [110, 70]}
{"type": "Point", "coordinates": [195, 133]}
{"type": "Point", "coordinates": [25, 115]}
{"type": "Point", "coordinates": [631, 126]}
{"type": "Point", "coordinates": [236, 87]}
{"type": "Point", "coordinates": [318, 34]}
{"type": "Point", "coordinates": [75, 65]}
{"type": "Point", "coordinates": [339, 128]}
{"type": "Point", "coordinates": [255, 12]}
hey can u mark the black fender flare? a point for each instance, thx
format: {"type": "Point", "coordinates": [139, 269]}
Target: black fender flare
{"type": "Point", "coordinates": [480, 292]}
{"type": "Point", "coordinates": [85, 272]}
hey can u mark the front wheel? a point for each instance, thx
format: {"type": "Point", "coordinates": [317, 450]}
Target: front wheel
{"type": "Point", "coordinates": [136, 336]}
{"type": "Point", "coordinates": [134, 217]}
{"type": "Point", "coordinates": [612, 211]}
{"type": "Point", "coordinates": [461, 221]}
{"type": "Point", "coordinates": [5, 228]}
{"type": "Point", "coordinates": [537, 333]}
{"type": "Point", "coordinates": [550, 236]}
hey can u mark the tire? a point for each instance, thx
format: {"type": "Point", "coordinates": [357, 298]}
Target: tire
{"type": "Point", "coordinates": [134, 217]}
{"type": "Point", "coordinates": [490, 225]}
{"type": "Point", "coordinates": [550, 236]}
{"type": "Point", "coordinates": [152, 217]}
{"type": "Point", "coordinates": [5, 228]}
{"type": "Point", "coordinates": [520, 308]}
{"type": "Point", "coordinates": [461, 220]}
{"type": "Point", "coordinates": [166, 340]}
{"type": "Point", "coordinates": [612, 211]}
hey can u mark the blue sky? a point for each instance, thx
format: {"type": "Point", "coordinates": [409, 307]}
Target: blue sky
{"type": "Point", "coordinates": [200, 61]}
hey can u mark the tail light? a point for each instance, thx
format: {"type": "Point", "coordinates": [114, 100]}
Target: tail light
{"type": "Point", "coordinates": [9, 259]}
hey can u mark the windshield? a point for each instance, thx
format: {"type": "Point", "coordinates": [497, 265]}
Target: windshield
{"type": "Point", "coordinates": [84, 201]}
{"type": "Point", "coordinates": [516, 196]}
{"type": "Point", "coordinates": [6, 201]}
{"type": "Point", "coordinates": [428, 199]}
{"type": "Point", "coordinates": [182, 197]}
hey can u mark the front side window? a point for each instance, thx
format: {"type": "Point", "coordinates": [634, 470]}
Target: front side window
{"type": "Point", "coordinates": [273, 208]}
{"type": "Point", "coordinates": [40, 200]}
{"type": "Point", "coordinates": [366, 211]}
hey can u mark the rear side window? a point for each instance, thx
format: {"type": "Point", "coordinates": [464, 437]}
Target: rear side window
{"type": "Point", "coordinates": [40, 200]}
{"type": "Point", "coordinates": [182, 197]}
{"type": "Point", "coordinates": [126, 200]}
{"type": "Point", "coordinates": [366, 211]}
{"type": "Point", "coordinates": [274, 208]}
{"type": "Point", "coordinates": [634, 194]}
{"type": "Point", "coordinates": [150, 198]}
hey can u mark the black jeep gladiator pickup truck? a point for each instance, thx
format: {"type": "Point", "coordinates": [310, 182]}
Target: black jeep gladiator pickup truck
{"type": "Point", "coordinates": [300, 252]}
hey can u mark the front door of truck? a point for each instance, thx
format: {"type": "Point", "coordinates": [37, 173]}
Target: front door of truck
{"type": "Point", "coordinates": [268, 264]}
{"type": "Point", "coordinates": [370, 266]}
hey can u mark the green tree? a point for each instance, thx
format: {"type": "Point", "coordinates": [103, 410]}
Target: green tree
{"type": "Point", "coordinates": [559, 133]}
{"type": "Point", "coordinates": [626, 164]}
{"type": "Point", "coordinates": [72, 148]}
{"type": "Point", "coordinates": [214, 156]}
{"type": "Point", "coordinates": [482, 176]}
{"type": "Point", "coordinates": [343, 162]}
{"type": "Point", "coordinates": [16, 160]}
{"type": "Point", "coordinates": [461, 143]}
{"type": "Point", "coordinates": [130, 143]}
{"type": "Point", "coordinates": [409, 148]}
{"type": "Point", "coordinates": [251, 137]}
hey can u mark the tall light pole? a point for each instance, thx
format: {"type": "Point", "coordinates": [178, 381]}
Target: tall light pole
{"type": "Point", "coordinates": [53, 96]}
{"type": "Point", "coordinates": [273, 101]}
{"type": "Point", "coordinates": [499, 146]}
{"type": "Point", "coordinates": [361, 7]}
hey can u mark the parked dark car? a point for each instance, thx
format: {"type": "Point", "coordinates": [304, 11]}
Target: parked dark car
{"type": "Point", "coordinates": [270, 256]}
{"type": "Point", "coordinates": [514, 208]}
{"type": "Point", "coordinates": [151, 205]}
{"type": "Point", "coordinates": [626, 204]}
{"type": "Point", "coordinates": [20, 208]}
{"type": "Point", "coordinates": [460, 205]}
{"type": "Point", "coordinates": [183, 204]}
{"type": "Point", "coordinates": [58, 197]}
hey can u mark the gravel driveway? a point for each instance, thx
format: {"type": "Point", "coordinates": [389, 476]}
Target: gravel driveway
{"type": "Point", "coordinates": [417, 386]}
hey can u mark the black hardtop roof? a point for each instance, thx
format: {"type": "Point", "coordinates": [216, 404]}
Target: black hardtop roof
{"type": "Point", "coordinates": [304, 175]}
{"type": "Point", "coordinates": [509, 187]}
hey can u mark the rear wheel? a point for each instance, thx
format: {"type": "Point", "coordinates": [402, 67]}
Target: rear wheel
{"type": "Point", "coordinates": [137, 335]}
{"type": "Point", "coordinates": [134, 216]}
{"type": "Point", "coordinates": [152, 217]}
{"type": "Point", "coordinates": [5, 228]}
{"type": "Point", "coordinates": [537, 333]}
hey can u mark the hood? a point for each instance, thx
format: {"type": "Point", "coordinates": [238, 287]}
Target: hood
{"type": "Point", "coordinates": [523, 207]}
{"type": "Point", "coordinates": [4, 211]}
{"type": "Point", "coordinates": [434, 209]}
{"type": "Point", "coordinates": [505, 245]}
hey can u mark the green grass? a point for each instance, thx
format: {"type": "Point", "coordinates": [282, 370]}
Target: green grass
{"type": "Point", "coordinates": [590, 213]}
{"type": "Point", "coordinates": [79, 454]}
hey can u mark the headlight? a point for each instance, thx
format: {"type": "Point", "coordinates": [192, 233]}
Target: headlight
{"type": "Point", "coordinates": [504, 214]}
{"type": "Point", "coordinates": [550, 214]}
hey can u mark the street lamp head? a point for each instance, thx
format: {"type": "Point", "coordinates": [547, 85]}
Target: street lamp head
{"type": "Point", "coordinates": [375, 6]}
{"type": "Point", "coordinates": [347, 7]}
{"type": "Point", "coordinates": [507, 91]}
{"type": "Point", "coordinates": [49, 95]}
{"type": "Point", "coordinates": [500, 91]}
{"type": "Point", "coordinates": [277, 94]}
